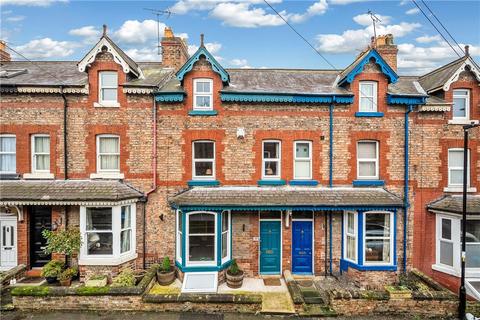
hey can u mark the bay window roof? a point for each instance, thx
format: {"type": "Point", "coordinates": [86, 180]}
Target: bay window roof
{"type": "Point", "coordinates": [453, 204]}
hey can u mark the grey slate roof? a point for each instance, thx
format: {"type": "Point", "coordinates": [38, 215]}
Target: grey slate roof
{"type": "Point", "coordinates": [155, 75]}
{"type": "Point", "coordinates": [453, 204]}
{"type": "Point", "coordinates": [437, 78]}
{"type": "Point", "coordinates": [67, 191]}
{"type": "Point", "coordinates": [352, 66]}
{"type": "Point", "coordinates": [285, 196]}
{"type": "Point", "coordinates": [133, 65]}
{"type": "Point", "coordinates": [406, 85]}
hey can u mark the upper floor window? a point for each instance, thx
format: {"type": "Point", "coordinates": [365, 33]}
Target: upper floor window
{"type": "Point", "coordinates": [368, 96]}
{"type": "Point", "coordinates": [108, 153]}
{"type": "Point", "coordinates": [40, 153]}
{"type": "Point", "coordinates": [271, 163]}
{"type": "Point", "coordinates": [203, 160]}
{"type": "Point", "coordinates": [202, 94]}
{"type": "Point", "coordinates": [108, 87]}
{"type": "Point", "coordinates": [455, 167]}
{"type": "Point", "coordinates": [461, 104]}
{"type": "Point", "coordinates": [8, 154]}
{"type": "Point", "coordinates": [367, 160]}
{"type": "Point", "coordinates": [302, 160]}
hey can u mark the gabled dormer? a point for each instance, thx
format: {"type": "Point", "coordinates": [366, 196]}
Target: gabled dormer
{"type": "Point", "coordinates": [108, 68]}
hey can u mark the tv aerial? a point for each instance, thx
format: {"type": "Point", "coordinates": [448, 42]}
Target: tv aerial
{"type": "Point", "coordinates": [159, 13]}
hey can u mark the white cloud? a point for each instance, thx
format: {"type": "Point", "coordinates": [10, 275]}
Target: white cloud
{"type": "Point", "coordinates": [138, 32]}
{"type": "Point", "coordinates": [144, 54]}
{"type": "Point", "coordinates": [239, 63]}
{"type": "Point", "coordinates": [244, 16]}
{"type": "Point", "coordinates": [318, 8]}
{"type": "Point", "coordinates": [428, 39]}
{"type": "Point", "coordinates": [413, 11]}
{"type": "Point", "coordinates": [89, 33]}
{"type": "Point", "coordinates": [212, 47]}
{"type": "Point", "coordinates": [46, 48]}
{"type": "Point", "coordinates": [184, 6]}
{"type": "Point", "coordinates": [343, 2]}
{"type": "Point", "coordinates": [33, 3]}
{"type": "Point", "coordinates": [15, 18]}
{"type": "Point", "coordinates": [366, 20]}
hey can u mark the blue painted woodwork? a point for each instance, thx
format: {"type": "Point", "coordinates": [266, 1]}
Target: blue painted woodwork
{"type": "Point", "coordinates": [284, 97]}
{"type": "Point", "coordinates": [216, 67]}
{"type": "Point", "coordinates": [373, 54]}
{"type": "Point", "coordinates": [203, 268]}
{"type": "Point", "coordinates": [270, 240]}
{"type": "Point", "coordinates": [369, 114]}
{"type": "Point", "coordinates": [408, 100]}
{"type": "Point", "coordinates": [330, 150]}
{"type": "Point", "coordinates": [202, 112]}
{"type": "Point", "coordinates": [366, 183]}
{"type": "Point", "coordinates": [345, 264]}
{"type": "Point", "coordinates": [360, 221]}
{"type": "Point", "coordinates": [169, 96]}
{"type": "Point", "coordinates": [195, 183]}
{"type": "Point", "coordinates": [302, 245]}
{"type": "Point", "coordinates": [303, 183]}
{"type": "Point", "coordinates": [266, 182]}
{"type": "Point", "coordinates": [280, 207]}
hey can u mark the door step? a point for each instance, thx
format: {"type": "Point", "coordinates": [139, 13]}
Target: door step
{"type": "Point", "coordinates": [34, 273]}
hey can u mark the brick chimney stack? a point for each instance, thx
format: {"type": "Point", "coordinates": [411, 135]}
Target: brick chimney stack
{"type": "Point", "coordinates": [174, 50]}
{"type": "Point", "coordinates": [387, 49]}
{"type": "Point", "coordinates": [4, 55]}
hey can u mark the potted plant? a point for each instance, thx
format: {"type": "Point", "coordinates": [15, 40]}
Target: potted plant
{"type": "Point", "coordinates": [66, 242]}
{"type": "Point", "coordinates": [66, 276]}
{"type": "Point", "coordinates": [126, 278]}
{"type": "Point", "coordinates": [52, 270]}
{"type": "Point", "coordinates": [234, 275]}
{"type": "Point", "coordinates": [97, 280]}
{"type": "Point", "coordinates": [165, 273]}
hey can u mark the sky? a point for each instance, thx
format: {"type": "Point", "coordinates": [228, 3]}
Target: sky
{"type": "Point", "coordinates": [244, 33]}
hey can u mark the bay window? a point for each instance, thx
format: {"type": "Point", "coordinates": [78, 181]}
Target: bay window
{"type": "Point", "coordinates": [226, 236]}
{"type": "Point", "coordinates": [350, 236]}
{"type": "Point", "coordinates": [368, 96]}
{"type": "Point", "coordinates": [108, 234]}
{"type": "Point", "coordinates": [108, 153]}
{"type": "Point", "coordinates": [201, 246]}
{"type": "Point", "coordinates": [378, 237]}
{"type": "Point", "coordinates": [455, 167]}
{"type": "Point", "coordinates": [40, 153]}
{"type": "Point", "coordinates": [367, 160]}
{"type": "Point", "coordinates": [473, 244]}
{"type": "Point", "coordinates": [202, 94]}
{"type": "Point", "coordinates": [203, 160]}
{"type": "Point", "coordinates": [302, 160]}
{"type": "Point", "coordinates": [461, 104]}
{"type": "Point", "coordinates": [271, 162]}
{"type": "Point", "coordinates": [178, 246]}
{"type": "Point", "coordinates": [8, 159]}
{"type": "Point", "coordinates": [445, 242]}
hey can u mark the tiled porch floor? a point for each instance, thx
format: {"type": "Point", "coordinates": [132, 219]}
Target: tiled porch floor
{"type": "Point", "coordinates": [253, 285]}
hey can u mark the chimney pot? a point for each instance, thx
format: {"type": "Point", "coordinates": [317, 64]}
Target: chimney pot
{"type": "Point", "coordinates": [104, 30]}
{"type": "Point", "coordinates": [4, 55]}
{"type": "Point", "coordinates": [202, 36]}
{"type": "Point", "coordinates": [467, 53]}
{"type": "Point", "coordinates": [174, 50]}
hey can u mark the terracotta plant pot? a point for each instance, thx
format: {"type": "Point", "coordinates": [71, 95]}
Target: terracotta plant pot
{"type": "Point", "coordinates": [166, 278]}
{"type": "Point", "coordinates": [66, 282]}
{"type": "Point", "coordinates": [234, 281]}
{"type": "Point", "coordinates": [51, 280]}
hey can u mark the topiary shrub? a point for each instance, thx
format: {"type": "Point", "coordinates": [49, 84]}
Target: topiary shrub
{"type": "Point", "coordinates": [52, 269]}
{"type": "Point", "coordinates": [126, 278]}
{"type": "Point", "coordinates": [234, 269]}
{"type": "Point", "coordinates": [166, 265]}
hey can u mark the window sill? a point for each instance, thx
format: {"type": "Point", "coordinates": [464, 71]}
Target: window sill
{"type": "Point", "coordinates": [199, 268]}
{"type": "Point", "coordinates": [369, 114]}
{"type": "Point", "coordinates": [266, 182]}
{"type": "Point", "coordinates": [38, 175]}
{"type": "Point", "coordinates": [106, 261]}
{"type": "Point", "coordinates": [459, 189]}
{"type": "Point", "coordinates": [368, 183]}
{"type": "Point", "coordinates": [202, 113]}
{"type": "Point", "coordinates": [106, 105]}
{"type": "Point", "coordinates": [107, 175]}
{"type": "Point", "coordinates": [445, 269]}
{"type": "Point", "coordinates": [196, 183]}
{"type": "Point", "coordinates": [312, 183]}
{"type": "Point", "coordinates": [9, 176]}
{"type": "Point", "coordinates": [345, 264]}
{"type": "Point", "coordinates": [462, 121]}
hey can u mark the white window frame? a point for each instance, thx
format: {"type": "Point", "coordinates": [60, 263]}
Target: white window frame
{"type": "Point", "coordinates": [187, 241]}
{"type": "Point", "coordinates": [195, 160]}
{"type": "Point", "coordinates": [457, 95]}
{"type": "Point", "coordinates": [10, 152]}
{"type": "Point", "coordinates": [347, 234]}
{"type": "Point", "coordinates": [375, 160]}
{"type": "Point", "coordinates": [109, 103]}
{"type": "Point", "coordinates": [458, 168]}
{"type": "Point", "coordinates": [278, 160]}
{"type": "Point", "coordinates": [178, 235]}
{"type": "Point", "coordinates": [362, 95]}
{"type": "Point", "coordinates": [34, 153]}
{"type": "Point", "coordinates": [439, 239]}
{"type": "Point", "coordinates": [308, 159]}
{"type": "Point", "coordinates": [116, 257]}
{"type": "Point", "coordinates": [390, 237]}
{"type": "Point", "coordinates": [126, 229]}
{"type": "Point", "coordinates": [228, 232]}
{"type": "Point", "coordinates": [196, 94]}
{"type": "Point", "coordinates": [99, 155]}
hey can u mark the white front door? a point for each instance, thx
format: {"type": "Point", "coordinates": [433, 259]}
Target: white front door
{"type": "Point", "coordinates": [8, 242]}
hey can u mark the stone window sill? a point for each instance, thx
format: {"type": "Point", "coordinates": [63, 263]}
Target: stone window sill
{"type": "Point", "coordinates": [462, 121]}
{"type": "Point", "coordinates": [197, 183]}
{"type": "Point", "coordinates": [459, 189]}
{"type": "Point", "coordinates": [313, 183]}
{"type": "Point", "coordinates": [38, 175]}
{"type": "Point", "coordinates": [202, 113]}
{"type": "Point", "coordinates": [106, 104]}
{"type": "Point", "coordinates": [107, 175]}
{"type": "Point", "coordinates": [368, 183]}
{"type": "Point", "coordinates": [369, 114]}
{"type": "Point", "coordinates": [276, 182]}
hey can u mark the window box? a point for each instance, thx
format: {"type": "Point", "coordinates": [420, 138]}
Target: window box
{"type": "Point", "coordinates": [196, 183]}
{"type": "Point", "coordinates": [312, 183]}
{"type": "Point", "coordinates": [267, 182]}
{"type": "Point", "coordinates": [202, 113]}
{"type": "Point", "coordinates": [369, 114]}
{"type": "Point", "coordinates": [368, 183]}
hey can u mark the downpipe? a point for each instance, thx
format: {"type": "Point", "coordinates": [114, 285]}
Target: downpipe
{"type": "Point", "coordinates": [406, 203]}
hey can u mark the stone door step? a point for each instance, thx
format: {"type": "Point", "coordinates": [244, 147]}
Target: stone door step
{"type": "Point", "coordinates": [277, 303]}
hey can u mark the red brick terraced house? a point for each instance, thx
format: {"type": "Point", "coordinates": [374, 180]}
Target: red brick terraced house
{"type": "Point", "coordinates": [350, 171]}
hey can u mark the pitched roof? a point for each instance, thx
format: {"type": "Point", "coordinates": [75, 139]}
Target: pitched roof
{"type": "Point", "coordinates": [203, 52]}
{"type": "Point", "coordinates": [242, 197]}
{"type": "Point", "coordinates": [406, 85]}
{"type": "Point", "coordinates": [454, 204]}
{"type": "Point", "coordinates": [20, 192]}
{"type": "Point", "coordinates": [437, 78]}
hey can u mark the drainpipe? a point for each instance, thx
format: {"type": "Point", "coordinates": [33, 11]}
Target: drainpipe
{"type": "Point", "coordinates": [65, 153]}
{"type": "Point", "coordinates": [330, 182]}
{"type": "Point", "coordinates": [330, 226]}
{"type": "Point", "coordinates": [326, 242]}
{"type": "Point", "coordinates": [406, 203]}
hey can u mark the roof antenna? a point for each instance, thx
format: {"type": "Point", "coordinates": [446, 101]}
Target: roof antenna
{"type": "Point", "coordinates": [104, 30]}
{"type": "Point", "coordinates": [159, 13]}
{"type": "Point", "coordinates": [375, 19]}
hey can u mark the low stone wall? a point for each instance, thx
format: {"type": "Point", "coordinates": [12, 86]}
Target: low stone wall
{"type": "Point", "coordinates": [18, 272]}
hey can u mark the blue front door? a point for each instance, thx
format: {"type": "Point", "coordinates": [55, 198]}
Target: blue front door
{"type": "Point", "coordinates": [270, 247]}
{"type": "Point", "coordinates": [302, 246]}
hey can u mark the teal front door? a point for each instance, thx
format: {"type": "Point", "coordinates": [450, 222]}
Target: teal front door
{"type": "Point", "coordinates": [270, 247]}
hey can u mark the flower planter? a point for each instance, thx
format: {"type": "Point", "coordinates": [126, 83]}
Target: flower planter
{"type": "Point", "coordinates": [234, 281]}
{"type": "Point", "coordinates": [399, 292]}
{"type": "Point", "coordinates": [66, 282]}
{"type": "Point", "coordinates": [166, 278]}
{"type": "Point", "coordinates": [96, 282]}
{"type": "Point", "coordinates": [51, 280]}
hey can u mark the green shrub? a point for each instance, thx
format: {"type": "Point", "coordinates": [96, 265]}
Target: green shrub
{"type": "Point", "coordinates": [38, 291]}
{"type": "Point", "coordinates": [234, 269]}
{"type": "Point", "coordinates": [126, 278]}
{"type": "Point", "coordinates": [166, 265]}
{"type": "Point", "coordinates": [52, 269]}
{"type": "Point", "coordinates": [65, 242]}
{"type": "Point", "coordinates": [92, 291]}
{"type": "Point", "coordinates": [97, 277]}
{"type": "Point", "coordinates": [68, 273]}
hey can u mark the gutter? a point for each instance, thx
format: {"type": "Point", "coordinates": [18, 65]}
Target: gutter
{"type": "Point", "coordinates": [406, 203]}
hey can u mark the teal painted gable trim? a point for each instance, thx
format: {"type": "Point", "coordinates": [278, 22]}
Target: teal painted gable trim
{"type": "Point", "coordinates": [169, 96]}
{"type": "Point", "coordinates": [408, 100]}
{"type": "Point", "coordinates": [284, 98]}
{"type": "Point", "coordinates": [279, 182]}
{"type": "Point", "coordinates": [303, 183]}
{"type": "Point", "coordinates": [202, 113]}
{"type": "Point", "coordinates": [369, 114]}
{"type": "Point", "coordinates": [216, 67]}
{"type": "Point", "coordinates": [373, 54]}
{"type": "Point", "coordinates": [196, 183]}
